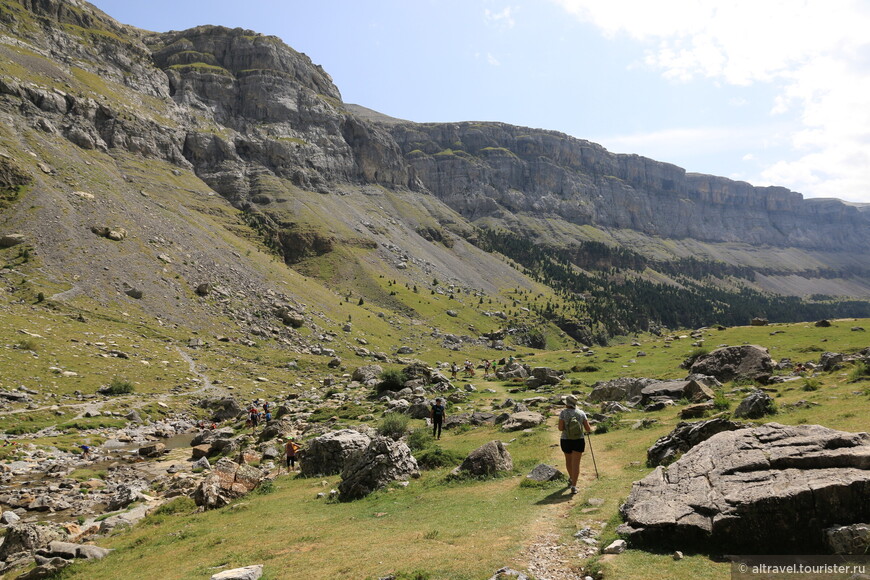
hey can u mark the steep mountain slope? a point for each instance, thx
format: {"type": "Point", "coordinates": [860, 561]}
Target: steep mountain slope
{"type": "Point", "coordinates": [152, 124]}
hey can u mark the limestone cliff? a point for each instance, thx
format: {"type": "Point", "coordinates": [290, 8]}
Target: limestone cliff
{"type": "Point", "coordinates": [265, 127]}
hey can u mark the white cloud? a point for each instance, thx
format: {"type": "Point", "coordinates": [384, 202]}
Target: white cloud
{"type": "Point", "coordinates": [492, 60]}
{"type": "Point", "coordinates": [504, 18]}
{"type": "Point", "coordinates": [815, 52]}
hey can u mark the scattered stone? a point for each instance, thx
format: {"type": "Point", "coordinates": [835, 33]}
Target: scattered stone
{"type": "Point", "coordinates": [615, 547]}
{"type": "Point", "coordinates": [153, 450]}
{"type": "Point", "coordinates": [247, 573]}
{"type": "Point", "coordinates": [677, 555]}
{"type": "Point", "coordinates": [543, 472]}
{"type": "Point", "coordinates": [756, 405]}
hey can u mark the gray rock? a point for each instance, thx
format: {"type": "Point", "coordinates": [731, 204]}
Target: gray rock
{"type": "Point", "coordinates": [543, 472]}
{"type": "Point", "coordinates": [487, 460]}
{"type": "Point", "coordinates": [153, 450]}
{"type": "Point", "coordinates": [367, 374]}
{"type": "Point", "coordinates": [382, 462]}
{"type": "Point", "coordinates": [684, 437]}
{"type": "Point", "coordinates": [29, 538]}
{"type": "Point", "coordinates": [853, 539]}
{"type": "Point", "coordinates": [91, 552]}
{"type": "Point", "coordinates": [223, 409]}
{"type": "Point", "coordinates": [764, 490]}
{"type": "Point", "coordinates": [507, 572]}
{"type": "Point", "coordinates": [227, 481]}
{"type": "Point", "coordinates": [328, 453]}
{"type": "Point", "coordinates": [522, 420]}
{"type": "Point", "coordinates": [675, 390]}
{"type": "Point", "coordinates": [247, 573]}
{"type": "Point", "coordinates": [616, 547]}
{"type": "Point", "coordinates": [756, 405]}
{"type": "Point", "coordinates": [201, 463]}
{"type": "Point", "coordinates": [9, 240]}
{"type": "Point", "coordinates": [48, 569]}
{"type": "Point", "coordinates": [621, 389]}
{"type": "Point", "coordinates": [9, 517]}
{"type": "Point", "coordinates": [732, 362]}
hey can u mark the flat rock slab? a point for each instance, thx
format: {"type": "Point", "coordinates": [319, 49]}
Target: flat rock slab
{"type": "Point", "coordinates": [771, 489]}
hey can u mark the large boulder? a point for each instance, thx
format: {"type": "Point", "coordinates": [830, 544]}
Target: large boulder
{"type": "Point", "coordinates": [227, 481]}
{"type": "Point", "coordinates": [383, 461]}
{"type": "Point", "coordinates": [676, 390]}
{"type": "Point", "coordinates": [522, 420]}
{"type": "Point", "coordinates": [771, 489]}
{"type": "Point", "coordinates": [368, 374]}
{"type": "Point", "coordinates": [486, 460]}
{"type": "Point", "coordinates": [621, 389]}
{"type": "Point", "coordinates": [544, 376]}
{"type": "Point", "coordinates": [756, 405]}
{"type": "Point", "coordinates": [222, 409]}
{"type": "Point", "coordinates": [685, 436]}
{"type": "Point", "coordinates": [328, 453]}
{"type": "Point", "coordinates": [513, 370]}
{"type": "Point", "coordinates": [28, 538]}
{"type": "Point", "coordinates": [747, 361]}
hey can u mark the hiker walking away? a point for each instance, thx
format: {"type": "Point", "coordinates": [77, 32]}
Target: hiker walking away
{"type": "Point", "coordinates": [437, 416]}
{"type": "Point", "coordinates": [572, 424]}
{"type": "Point", "coordinates": [486, 366]}
{"type": "Point", "coordinates": [290, 450]}
{"type": "Point", "coordinates": [453, 370]}
{"type": "Point", "coordinates": [254, 416]}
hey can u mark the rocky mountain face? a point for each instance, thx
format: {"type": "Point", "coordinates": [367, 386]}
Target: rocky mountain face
{"type": "Point", "coordinates": [492, 169]}
{"type": "Point", "coordinates": [263, 126]}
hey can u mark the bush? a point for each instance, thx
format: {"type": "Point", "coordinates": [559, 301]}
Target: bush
{"type": "Point", "coordinates": [420, 439]}
{"type": "Point", "coordinates": [609, 424]}
{"type": "Point", "coordinates": [860, 372]}
{"type": "Point", "coordinates": [811, 384]}
{"type": "Point", "coordinates": [180, 505]}
{"type": "Point", "coordinates": [587, 368]}
{"type": "Point", "coordinates": [391, 380]}
{"type": "Point", "coordinates": [720, 401]}
{"type": "Point", "coordinates": [117, 387]}
{"type": "Point", "coordinates": [393, 425]}
{"type": "Point", "coordinates": [436, 456]}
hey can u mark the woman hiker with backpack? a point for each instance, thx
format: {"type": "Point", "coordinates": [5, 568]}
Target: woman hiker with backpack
{"type": "Point", "coordinates": [572, 424]}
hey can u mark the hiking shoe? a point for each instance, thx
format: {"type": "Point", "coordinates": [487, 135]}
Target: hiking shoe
{"type": "Point", "coordinates": [573, 489]}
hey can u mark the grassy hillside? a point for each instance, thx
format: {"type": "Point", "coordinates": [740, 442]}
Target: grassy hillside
{"type": "Point", "coordinates": [435, 528]}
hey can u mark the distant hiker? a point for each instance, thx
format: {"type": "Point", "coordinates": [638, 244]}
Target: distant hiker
{"type": "Point", "coordinates": [469, 369]}
{"type": "Point", "coordinates": [572, 424]}
{"type": "Point", "coordinates": [437, 416]}
{"type": "Point", "coordinates": [254, 416]}
{"type": "Point", "coordinates": [453, 370]}
{"type": "Point", "coordinates": [266, 407]}
{"type": "Point", "coordinates": [486, 366]}
{"type": "Point", "coordinates": [86, 451]}
{"type": "Point", "coordinates": [267, 416]}
{"type": "Point", "coordinates": [290, 450]}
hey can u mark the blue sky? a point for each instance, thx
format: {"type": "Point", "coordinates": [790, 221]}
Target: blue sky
{"type": "Point", "coordinates": [773, 92]}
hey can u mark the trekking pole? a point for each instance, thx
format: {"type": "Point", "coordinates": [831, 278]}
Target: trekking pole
{"type": "Point", "coordinates": [595, 465]}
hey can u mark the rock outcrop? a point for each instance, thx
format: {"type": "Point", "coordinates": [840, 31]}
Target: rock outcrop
{"type": "Point", "coordinates": [227, 481]}
{"type": "Point", "coordinates": [382, 462]}
{"type": "Point", "coordinates": [328, 454]}
{"type": "Point", "coordinates": [685, 436]}
{"type": "Point", "coordinates": [731, 362]}
{"type": "Point", "coordinates": [487, 460]}
{"type": "Point", "coordinates": [772, 489]}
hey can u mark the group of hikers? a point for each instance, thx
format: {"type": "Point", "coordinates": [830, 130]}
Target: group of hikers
{"type": "Point", "coordinates": [468, 367]}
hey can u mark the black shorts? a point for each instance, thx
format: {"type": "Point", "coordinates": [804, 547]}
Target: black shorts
{"type": "Point", "coordinates": [572, 445]}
